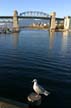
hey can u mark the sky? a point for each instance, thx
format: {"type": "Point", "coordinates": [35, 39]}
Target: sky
{"type": "Point", "coordinates": [61, 7]}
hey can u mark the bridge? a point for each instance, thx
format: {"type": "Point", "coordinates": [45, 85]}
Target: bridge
{"type": "Point", "coordinates": [36, 15]}
{"type": "Point", "coordinates": [29, 15]}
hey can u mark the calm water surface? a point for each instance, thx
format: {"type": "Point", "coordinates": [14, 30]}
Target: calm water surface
{"type": "Point", "coordinates": [36, 54]}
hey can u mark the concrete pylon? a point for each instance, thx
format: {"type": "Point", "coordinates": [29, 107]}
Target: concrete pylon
{"type": "Point", "coordinates": [53, 21]}
{"type": "Point", "coordinates": [15, 21]}
{"type": "Point", "coordinates": [66, 23]}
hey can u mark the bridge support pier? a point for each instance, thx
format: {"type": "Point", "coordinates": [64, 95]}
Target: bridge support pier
{"type": "Point", "coordinates": [15, 22]}
{"type": "Point", "coordinates": [53, 21]}
{"type": "Point", "coordinates": [67, 23]}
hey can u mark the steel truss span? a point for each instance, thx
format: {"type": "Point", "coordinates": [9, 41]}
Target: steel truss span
{"type": "Point", "coordinates": [34, 13]}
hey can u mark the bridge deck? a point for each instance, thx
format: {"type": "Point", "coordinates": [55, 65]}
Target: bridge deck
{"type": "Point", "coordinates": [32, 17]}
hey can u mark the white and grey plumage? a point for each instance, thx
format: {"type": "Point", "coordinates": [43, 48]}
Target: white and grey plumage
{"type": "Point", "coordinates": [38, 89]}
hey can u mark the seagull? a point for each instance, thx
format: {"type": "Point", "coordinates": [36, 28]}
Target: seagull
{"type": "Point", "coordinates": [39, 89]}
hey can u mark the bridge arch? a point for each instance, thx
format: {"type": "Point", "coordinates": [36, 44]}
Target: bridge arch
{"type": "Point", "coordinates": [41, 15]}
{"type": "Point", "coordinates": [34, 13]}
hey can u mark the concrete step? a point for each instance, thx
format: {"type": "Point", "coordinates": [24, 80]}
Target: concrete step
{"type": "Point", "coordinates": [7, 103]}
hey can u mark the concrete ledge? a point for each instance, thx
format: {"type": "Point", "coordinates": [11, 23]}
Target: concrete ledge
{"type": "Point", "coordinates": [6, 103]}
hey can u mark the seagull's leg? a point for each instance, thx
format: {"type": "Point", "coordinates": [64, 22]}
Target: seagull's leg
{"type": "Point", "coordinates": [37, 95]}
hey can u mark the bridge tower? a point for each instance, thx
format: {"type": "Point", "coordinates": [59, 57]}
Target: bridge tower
{"type": "Point", "coordinates": [53, 21]}
{"type": "Point", "coordinates": [15, 21]}
{"type": "Point", "coordinates": [67, 23]}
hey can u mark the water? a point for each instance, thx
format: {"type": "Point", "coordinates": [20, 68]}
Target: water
{"type": "Point", "coordinates": [36, 54]}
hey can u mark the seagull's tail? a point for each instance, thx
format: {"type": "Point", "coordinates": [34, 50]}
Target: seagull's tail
{"type": "Point", "coordinates": [46, 93]}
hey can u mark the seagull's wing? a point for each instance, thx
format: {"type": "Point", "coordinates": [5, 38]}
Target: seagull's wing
{"type": "Point", "coordinates": [41, 90]}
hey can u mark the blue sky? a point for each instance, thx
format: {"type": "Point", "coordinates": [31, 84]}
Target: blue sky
{"type": "Point", "coordinates": [61, 7]}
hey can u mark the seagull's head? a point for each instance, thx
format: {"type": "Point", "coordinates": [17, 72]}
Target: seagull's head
{"type": "Point", "coordinates": [34, 80]}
